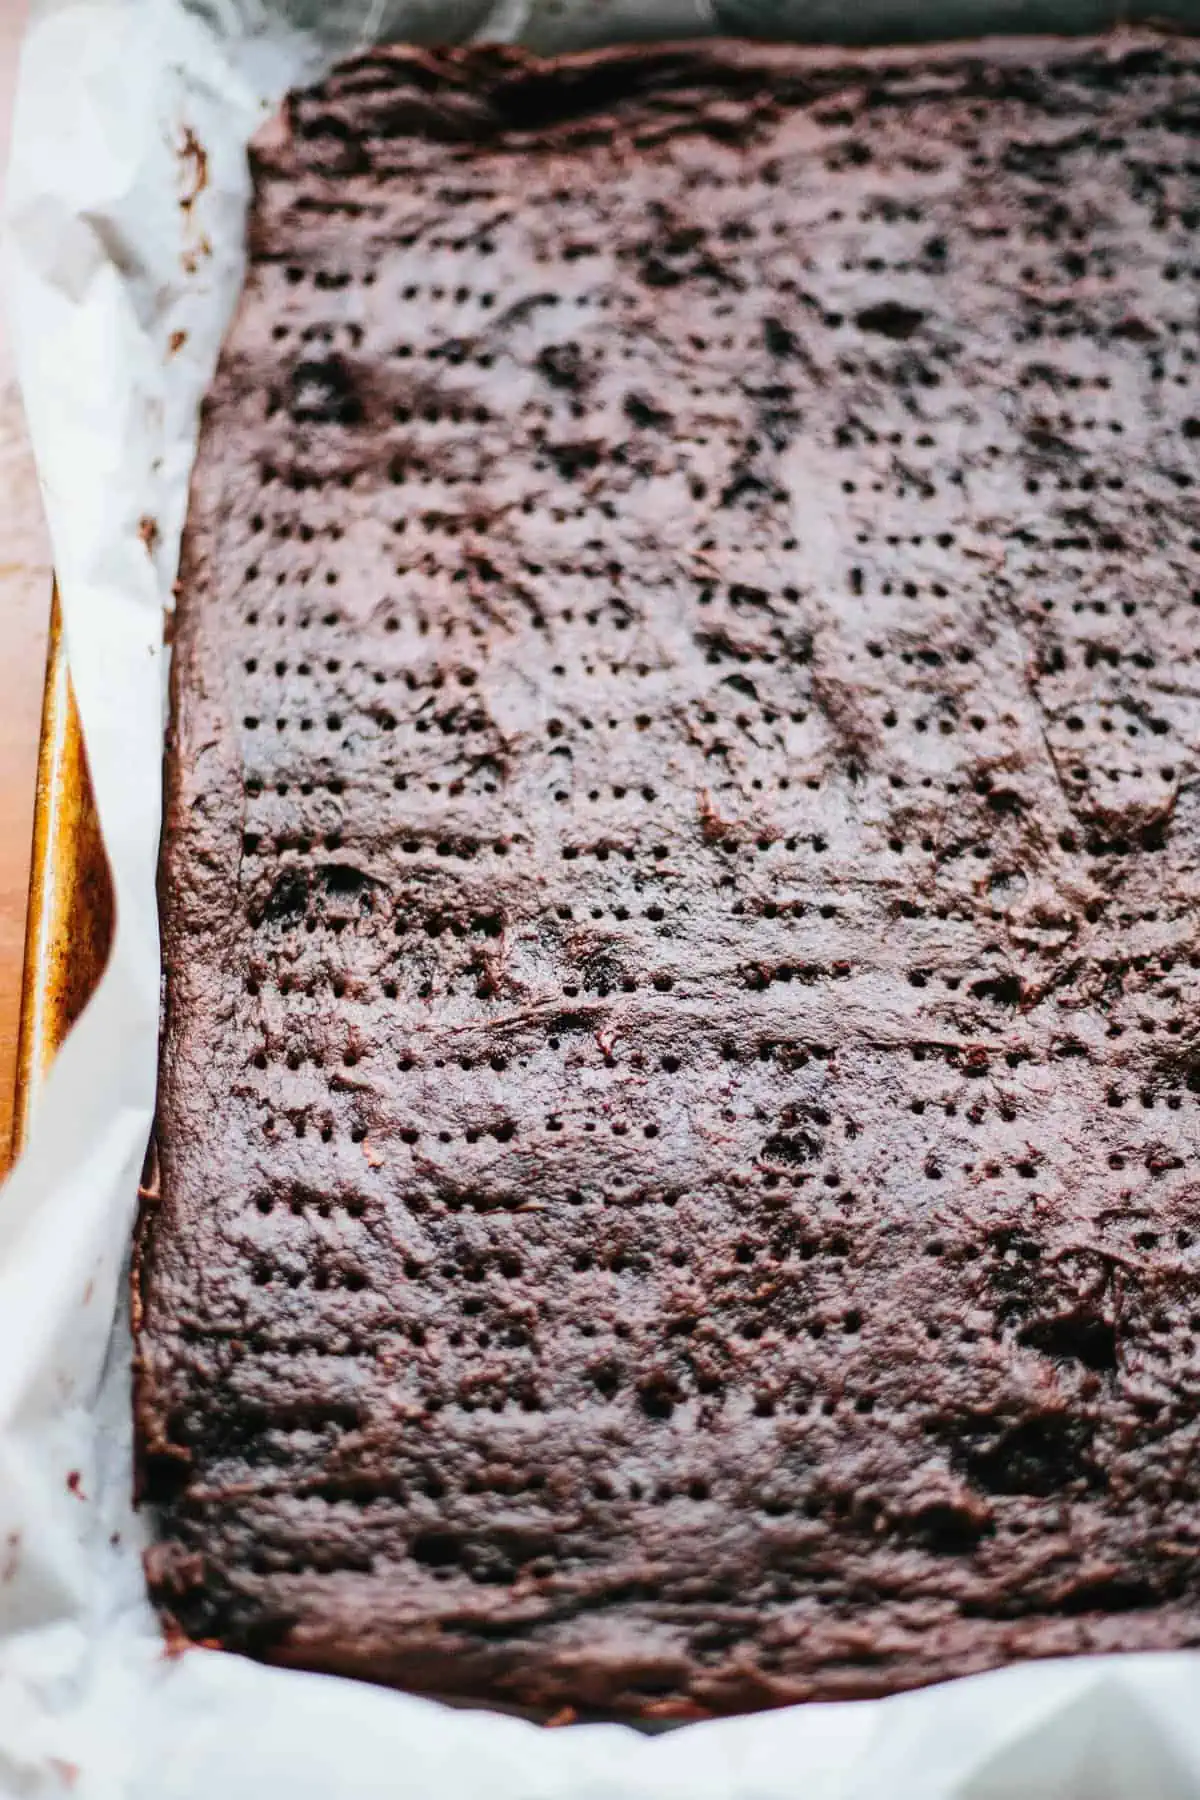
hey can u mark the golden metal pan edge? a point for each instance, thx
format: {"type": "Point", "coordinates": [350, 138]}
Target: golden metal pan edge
{"type": "Point", "coordinates": [69, 922]}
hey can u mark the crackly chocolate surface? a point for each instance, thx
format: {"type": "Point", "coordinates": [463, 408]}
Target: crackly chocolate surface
{"type": "Point", "coordinates": [680, 1088]}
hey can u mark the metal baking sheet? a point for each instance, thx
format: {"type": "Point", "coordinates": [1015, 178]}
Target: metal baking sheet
{"type": "Point", "coordinates": [69, 921]}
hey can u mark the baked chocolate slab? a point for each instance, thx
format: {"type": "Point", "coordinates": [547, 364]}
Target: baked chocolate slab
{"type": "Point", "coordinates": [681, 1076]}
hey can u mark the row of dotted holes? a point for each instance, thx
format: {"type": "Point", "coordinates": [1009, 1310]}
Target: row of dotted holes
{"type": "Point", "coordinates": [946, 725]}
{"type": "Point", "coordinates": [299, 1204]}
{"type": "Point", "coordinates": [934, 1169]}
{"type": "Point", "coordinates": [303, 623]}
{"type": "Point", "coordinates": [435, 683]}
{"type": "Point", "coordinates": [445, 847]}
{"type": "Point", "coordinates": [791, 1055]}
{"type": "Point", "coordinates": [255, 785]}
{"type": "Point", "coordinates": [727, 845]}
{"type": "Point", "coordinates": [325, 1276]}
{"type": "Point", "coordinates": [467, 850]}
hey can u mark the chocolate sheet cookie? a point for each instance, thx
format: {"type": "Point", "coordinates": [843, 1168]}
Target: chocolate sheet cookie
{"type": "Point", "coordinates": [681, 1073]}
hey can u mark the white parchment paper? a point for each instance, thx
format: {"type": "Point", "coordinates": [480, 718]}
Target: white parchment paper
{"type": "Point", "coordinates": [126, 206]}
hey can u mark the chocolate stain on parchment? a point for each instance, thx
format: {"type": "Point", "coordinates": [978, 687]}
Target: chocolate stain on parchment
{"type": "Point", "coordinates": [193, 179]}
{"type": "Point", "coordinates": [193, 162]}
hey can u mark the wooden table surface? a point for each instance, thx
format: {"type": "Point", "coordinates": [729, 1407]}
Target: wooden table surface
{"type": "Point", "coordinates": [24, 609]}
